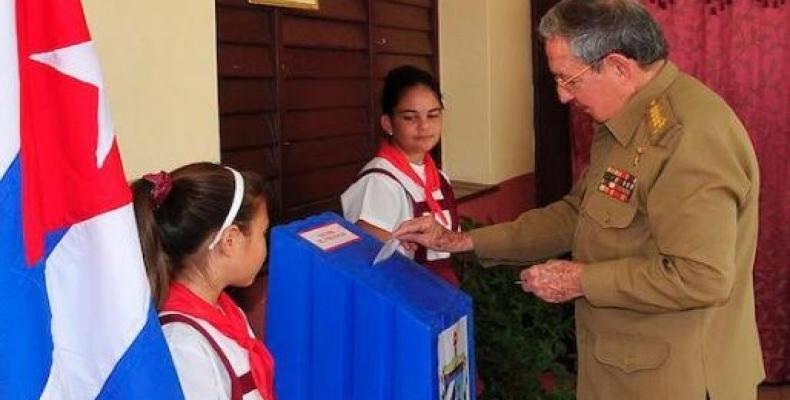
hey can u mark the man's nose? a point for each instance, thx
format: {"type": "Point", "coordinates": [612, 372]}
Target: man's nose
{"type": "Point", "coordinates": [564, 95]}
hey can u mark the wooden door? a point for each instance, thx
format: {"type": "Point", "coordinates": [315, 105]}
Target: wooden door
{"type": "Point", "coordinates": [298, 97]}
{"type": "Point", "coordinates": [402, 32]}
{"type": "Point", "coordinates": [298, 90]}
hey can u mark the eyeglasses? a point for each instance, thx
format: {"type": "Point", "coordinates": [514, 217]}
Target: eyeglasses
{"type": "Point", "coordinates": [571, 84]}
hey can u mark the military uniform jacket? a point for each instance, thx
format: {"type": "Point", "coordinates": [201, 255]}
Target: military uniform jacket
{"type": "Point", "coordinates": [665, 219]}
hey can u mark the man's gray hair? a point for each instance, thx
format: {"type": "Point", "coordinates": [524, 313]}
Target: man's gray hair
{"type": "Point", "coordinates": [596, 28]}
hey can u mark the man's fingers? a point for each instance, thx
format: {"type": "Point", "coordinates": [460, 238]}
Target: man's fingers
{"type": "Point", "coordinates": [526, 280]}
{"type": "Point", "coordinates": [410, 233]}
{"type": "Point", "coordinates": [543, 283]}
{"type": "Point", "coordinates": [408, 244]}
{"type": "Point", "coordinates": [416, 225]}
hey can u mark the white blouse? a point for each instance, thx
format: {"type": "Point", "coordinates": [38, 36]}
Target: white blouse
{"type": "Point", "coordinates": [199, 368]}
{"type": "Point", "coordinates": [380, 201]}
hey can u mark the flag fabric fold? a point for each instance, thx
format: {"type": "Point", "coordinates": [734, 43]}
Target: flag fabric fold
{"type": "Point", "coordinates": [76, 318]}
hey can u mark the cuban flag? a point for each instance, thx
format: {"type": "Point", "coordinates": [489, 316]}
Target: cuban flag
{"type": "Point", "coordinates": [76, 319]}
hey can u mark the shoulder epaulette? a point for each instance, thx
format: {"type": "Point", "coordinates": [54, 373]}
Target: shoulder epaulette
{"type": "Point", "coordinates": [660, 119]}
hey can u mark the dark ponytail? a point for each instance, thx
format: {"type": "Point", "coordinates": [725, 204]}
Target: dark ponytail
{"type": "Point", "coordinates": [157, 265]}
{"type": "Point", "coordinates": [174, 227]}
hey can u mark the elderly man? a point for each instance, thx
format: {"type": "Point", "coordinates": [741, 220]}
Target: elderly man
{"type": "Point", "coordinates": [662, 227]}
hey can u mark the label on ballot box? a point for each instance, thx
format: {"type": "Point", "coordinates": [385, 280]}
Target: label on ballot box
{"type": "Point", "coordinates": [340, 329]}
{"type": "Point", "coordinates": [329, 236]}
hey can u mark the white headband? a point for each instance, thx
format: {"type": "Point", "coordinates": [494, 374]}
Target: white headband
{"type": "Point", "coordinates": [238, 195]}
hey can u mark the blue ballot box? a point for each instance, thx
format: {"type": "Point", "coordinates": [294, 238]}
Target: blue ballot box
{"type": "Point", "coordinates": [341, 328]}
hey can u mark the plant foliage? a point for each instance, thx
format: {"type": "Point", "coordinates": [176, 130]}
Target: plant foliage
{"type": "Point", "coordinates": [524, 346]}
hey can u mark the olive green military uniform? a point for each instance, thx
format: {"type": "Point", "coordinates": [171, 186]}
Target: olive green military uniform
{"type": "Point", "coordinates": [665, 220]}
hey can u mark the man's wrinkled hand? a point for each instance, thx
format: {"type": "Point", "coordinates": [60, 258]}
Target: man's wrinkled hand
{"type": "Point", "coordinates": [426, 231]}
{"type": "Point", "coordinates": [554, 281]}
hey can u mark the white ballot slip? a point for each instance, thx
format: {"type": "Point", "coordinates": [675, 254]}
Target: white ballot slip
{"type": "Point", "coordinates": [387, 250]}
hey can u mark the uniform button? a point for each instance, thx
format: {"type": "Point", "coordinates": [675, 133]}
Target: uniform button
{"type": "Point", "coordinates": [607, 218]}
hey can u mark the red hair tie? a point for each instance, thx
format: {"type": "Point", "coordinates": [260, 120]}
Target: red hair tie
{"type": "Point", "coordinates": [161, 189]}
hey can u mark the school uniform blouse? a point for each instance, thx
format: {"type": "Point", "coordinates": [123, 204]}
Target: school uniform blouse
{"type": "Point", "coordinates": [382, 200]}
{"type": "Point", "coordinates": [200, 369]}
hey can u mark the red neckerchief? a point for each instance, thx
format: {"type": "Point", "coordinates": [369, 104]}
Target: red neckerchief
{"type": "Point", "coordinates": [229, 320]}
{"type": "Point", "coordinates": [395, 156]}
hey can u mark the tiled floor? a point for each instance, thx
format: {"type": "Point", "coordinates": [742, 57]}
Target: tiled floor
{"type": "Point", "coordinates": [774, 392]}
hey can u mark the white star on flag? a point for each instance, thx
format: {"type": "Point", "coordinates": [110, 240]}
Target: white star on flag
{"type": "Point", "coordinates": [81, 62]}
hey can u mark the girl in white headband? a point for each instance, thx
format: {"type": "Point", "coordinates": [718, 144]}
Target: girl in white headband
{"type": "Point", "coordinates": [202, 229]}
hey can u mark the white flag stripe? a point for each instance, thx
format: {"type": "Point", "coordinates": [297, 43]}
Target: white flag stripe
{"type": "Point", "coordinates": [81, 62]}
{"type": "Point", "coordinates": [9, 87]}
{"type": "Point", "coordinates": [99, 297]}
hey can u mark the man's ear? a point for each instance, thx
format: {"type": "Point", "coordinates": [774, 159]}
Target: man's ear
{"type": "Point", "coordinates": [622, 66]}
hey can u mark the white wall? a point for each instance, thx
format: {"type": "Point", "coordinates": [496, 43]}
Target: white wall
{"type": "Point", "coordinates": [159, 64]}
{"type": "Point", "coordinates": [486, 73]}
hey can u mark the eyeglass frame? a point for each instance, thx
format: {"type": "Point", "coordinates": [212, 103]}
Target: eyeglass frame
{"type": "Point", "coordinates": [565, 84]}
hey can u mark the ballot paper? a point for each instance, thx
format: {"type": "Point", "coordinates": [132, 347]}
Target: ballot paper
{"type": "Point", "coordinates": [387, 250]}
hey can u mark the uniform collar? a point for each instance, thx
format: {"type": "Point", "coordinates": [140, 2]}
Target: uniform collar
{"type": "Point", "coordinates": [624, 124]}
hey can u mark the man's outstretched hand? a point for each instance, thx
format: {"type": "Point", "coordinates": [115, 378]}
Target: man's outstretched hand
{"type": "Point", "coordinates": [429, 233]}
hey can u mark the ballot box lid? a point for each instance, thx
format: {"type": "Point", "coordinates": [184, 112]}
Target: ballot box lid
{"type": "Point", "coordinates": [399, 278]}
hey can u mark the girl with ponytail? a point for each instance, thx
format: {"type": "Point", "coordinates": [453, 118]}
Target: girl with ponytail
{"type": "Point", "coordinates": [202, 228]}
